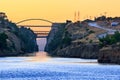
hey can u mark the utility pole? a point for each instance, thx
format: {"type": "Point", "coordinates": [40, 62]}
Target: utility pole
{"type": "Point", "coordinates": [75, 17]}
{"type": "Point", "coordinates": [105, 13]}
{"type": "Point", "coordinates": [78, 15]}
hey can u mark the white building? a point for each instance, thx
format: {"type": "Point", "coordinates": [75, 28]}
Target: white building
{"type": "Point", "coordinates": [114, 23]}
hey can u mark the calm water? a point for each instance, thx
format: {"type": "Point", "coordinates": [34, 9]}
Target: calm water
{"type": "Point", "coordinates": [42, 67]}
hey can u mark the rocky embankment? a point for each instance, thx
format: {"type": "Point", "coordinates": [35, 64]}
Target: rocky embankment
{"type": "Point", "coordinates": [15, 41]}
{"type": "Point", "coordinates": [81, 40]}
{"type": "Point", "coordinates": [86, 51]}
{"type": "Point", "coordinates": [72, 40]}
{"type": "Point", "coordinates": [109, 55]}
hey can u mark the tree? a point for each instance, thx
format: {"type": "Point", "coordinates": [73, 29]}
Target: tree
{"type": "Point", "coordinates": [110, 39]}
{"type": "Point", "coordinates": [101, 18]}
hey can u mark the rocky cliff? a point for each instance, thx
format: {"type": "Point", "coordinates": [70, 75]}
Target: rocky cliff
{"type": "Point", "coordinates": [86, 51]}
{"type": "Point", "coordinates": [15, 41]}
{"type": "Point", "coordinates": [72, 40]}
{"type": "Point", "coordinates": [110, 52]}
{"type": "Point", "coordinates": [81, 40]}
{"type": "Point", "coordinates": [55, 37]}
{"type": "Point", "coordinates": [109, 55]}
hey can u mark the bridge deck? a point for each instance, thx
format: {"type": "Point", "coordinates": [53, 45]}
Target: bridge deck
{"type": "Point", "coordinates": [41, 36]}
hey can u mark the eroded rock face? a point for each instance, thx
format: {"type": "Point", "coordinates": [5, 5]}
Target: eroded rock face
{"type": "Point", "coordinates": [55, 36]}
{"type": "Point", "coordinates": [13, 46]}
{"type": "Point", "coordinates": [28, 39]}
{"type": "Point", "coordinates": [16, 41]}
{"type": "Point", "coordinates": [109, 55]}
{"type": "Point", "coordinates": [88, 51]}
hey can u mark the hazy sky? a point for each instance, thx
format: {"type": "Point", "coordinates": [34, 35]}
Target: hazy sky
{"type": "Point", "coordinates": [58, 10]}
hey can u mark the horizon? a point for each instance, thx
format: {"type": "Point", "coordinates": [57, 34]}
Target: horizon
{"type": "Point", "coordinates": [58, 11]}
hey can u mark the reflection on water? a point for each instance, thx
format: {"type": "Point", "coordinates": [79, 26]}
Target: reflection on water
{"type": "Point", "coordinates": [42, 67]}
{"type": "Point", "coordinates": [41, 43]}
{"type": "Point", "coordinates": [40, 57]}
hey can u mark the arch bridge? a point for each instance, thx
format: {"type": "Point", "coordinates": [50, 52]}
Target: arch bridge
{"type": "Point", "coordinates": [40, 34]}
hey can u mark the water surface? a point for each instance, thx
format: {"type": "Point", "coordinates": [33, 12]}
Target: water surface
{"type": "Point", "coordinates": [43, 67]}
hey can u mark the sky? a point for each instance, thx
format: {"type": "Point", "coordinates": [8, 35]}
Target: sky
{"type": "Point", "coordinates": [58, 10]}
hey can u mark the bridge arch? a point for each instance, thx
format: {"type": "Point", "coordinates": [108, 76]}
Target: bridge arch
{"type": "Point", "coordinates": [34, 19]}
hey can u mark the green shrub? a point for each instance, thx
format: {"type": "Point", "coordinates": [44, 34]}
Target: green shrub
{"type": "Point", "coordinates": [90, 41]}
{"type": "Point", "coordinates": [90, 32]}
{"type": "Point", "coordinates": [87, 29]}
{"type": "Point", "coordinates": [110, 39]}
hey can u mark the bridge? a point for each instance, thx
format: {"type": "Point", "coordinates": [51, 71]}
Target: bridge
{"type": "Point", "coordinates": [34, 19]}
{"type": "Point", "coordinates": [40, 34]}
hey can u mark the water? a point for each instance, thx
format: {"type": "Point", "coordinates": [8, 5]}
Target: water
{"type": "Point", "coordinates": [41, 43]}
{"type": "Point", "coordinates": [43, 67]}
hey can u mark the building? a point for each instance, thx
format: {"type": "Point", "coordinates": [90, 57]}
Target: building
{"type": "Point", "coordinates": [114, 23]}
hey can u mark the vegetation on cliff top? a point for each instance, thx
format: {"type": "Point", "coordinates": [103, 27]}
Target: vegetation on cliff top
{"type": "Point", "coordinates": [110, 39]}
